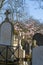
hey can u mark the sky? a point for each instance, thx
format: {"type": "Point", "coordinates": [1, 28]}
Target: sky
{"type": "Point", "coordinates": [33, 10]}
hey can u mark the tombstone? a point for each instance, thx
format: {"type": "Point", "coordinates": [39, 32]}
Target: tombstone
{"type": "Point", "coordinates": [6, 32]}
{"type": "Point", "coordinates": [37, 56]}
{"type": "Point", "coordinates": [37, 51]}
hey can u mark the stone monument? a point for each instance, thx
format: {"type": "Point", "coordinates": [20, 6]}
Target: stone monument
{"type": "Point", "coordinates": [6, 31]}
{"type": "Point", "coordinates": [37, 55]}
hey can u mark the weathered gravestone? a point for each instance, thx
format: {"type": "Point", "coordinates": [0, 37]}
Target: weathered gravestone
{"type": "Point", "coordinates": [37, 56]}
{"type": "Point", "coordinates": [37, 51]}
{"type": "Point", "coordinates": [6, 32]}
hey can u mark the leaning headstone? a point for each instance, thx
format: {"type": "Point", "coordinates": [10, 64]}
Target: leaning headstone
{"type": "Point", "coordinates": [37, 56]}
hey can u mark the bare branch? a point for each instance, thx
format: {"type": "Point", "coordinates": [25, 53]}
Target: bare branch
{"type": "Point", "coordinates": [1, 3]}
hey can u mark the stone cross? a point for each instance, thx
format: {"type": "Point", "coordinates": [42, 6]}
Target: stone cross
{"type": "Point", "coordinates": [7, 13]}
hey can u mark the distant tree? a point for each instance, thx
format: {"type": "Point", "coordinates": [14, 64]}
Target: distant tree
{"type": "Point", "coordinates": [16, 8]}
{"type": "Point", "coordinates": [1, 3]}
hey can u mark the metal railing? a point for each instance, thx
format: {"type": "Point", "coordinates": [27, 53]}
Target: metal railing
{"type": "Point", "coordinates": [9, 55]}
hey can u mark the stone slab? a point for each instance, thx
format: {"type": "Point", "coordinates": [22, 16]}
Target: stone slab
{"type": "Point", "coordinates": [37, 56]}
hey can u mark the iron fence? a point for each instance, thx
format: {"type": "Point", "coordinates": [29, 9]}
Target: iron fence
{"type": "Point", "coordinates": [9, 55]}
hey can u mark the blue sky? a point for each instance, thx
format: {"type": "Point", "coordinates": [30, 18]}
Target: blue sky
{"type": "Point", "coordinates": [32, 9]}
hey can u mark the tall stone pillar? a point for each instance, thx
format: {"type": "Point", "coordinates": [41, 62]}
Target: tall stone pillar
{"type": "Point", "coordinates": [20, 40]}
{"type": "Point", "coordinates": [30, 49]}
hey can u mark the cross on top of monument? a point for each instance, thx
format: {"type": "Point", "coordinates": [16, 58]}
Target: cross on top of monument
{"type": "Point", "coordinates": [7, 13]}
